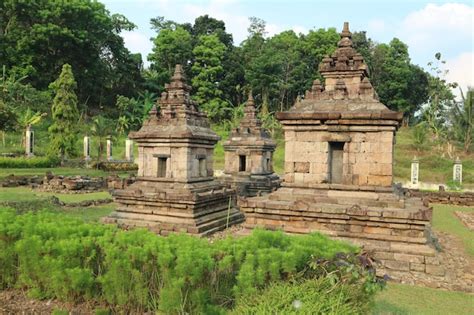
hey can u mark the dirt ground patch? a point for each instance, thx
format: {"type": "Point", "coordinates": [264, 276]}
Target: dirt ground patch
{"type": "Point", "coordinates": [467, 218]}
{"type": "Point", "coordinates": [18, 302]}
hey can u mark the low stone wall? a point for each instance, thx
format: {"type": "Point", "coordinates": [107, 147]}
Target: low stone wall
{"type": "Point", "coordinates": [451, 198]}
{"type": "Point", "coordinates": [68, 184]}
{"type": "Point", "coordinates": [75, 184]}
{"type": "Point", "coordinates": [15, 181]}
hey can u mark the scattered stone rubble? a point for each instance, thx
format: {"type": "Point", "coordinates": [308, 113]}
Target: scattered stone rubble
{"type": "Point", "coordinates": [71, 184]}
{"type": "Point", "coordinates": [467, 218]}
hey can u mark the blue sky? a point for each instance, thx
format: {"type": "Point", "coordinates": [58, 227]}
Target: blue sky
{"type": "Point", "coordinates": [426, 26]}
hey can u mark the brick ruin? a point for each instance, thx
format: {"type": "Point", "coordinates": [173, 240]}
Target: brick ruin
{"type": "Point", "coordinates": [175, 189]}
{"type": "Point", "coordinates": [249, 156]}
{"type": "Point", "coordinates": [338, 172]}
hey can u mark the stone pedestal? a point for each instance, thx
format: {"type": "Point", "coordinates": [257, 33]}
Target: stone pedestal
{"type": "Point", "coordinates": [129, 150]}
{"type": "Point", "coordinates": [415, 171]}
{"type": "Point", "coordinates": [109, 150]}
{"type": "Point", "coordinates": [29, 141]}
{"type": "Point", "coordinates": [457, 171]}
{"type": "Point", "coordinates": [249, 156]}
{"type": "Point", "coordinates": [175, 190]}
{"type": "Point", "coordinates": [87, 148]}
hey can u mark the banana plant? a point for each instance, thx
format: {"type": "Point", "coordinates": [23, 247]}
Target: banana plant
{"type": "Point", "coordinates": [29, 118]}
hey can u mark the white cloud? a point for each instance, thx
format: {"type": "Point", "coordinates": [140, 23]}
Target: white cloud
{"type": "Point", "coordinates": [461, 70]}
{"type": "Point", "coordinates": [226, 10]}
{"type": "Point", "coordinates": [137, 42]}
{"type": "Point", "coordinates": [435, 26]}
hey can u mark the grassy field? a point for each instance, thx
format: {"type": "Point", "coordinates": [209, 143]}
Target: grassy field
{"type": "Point", "coordinates": [445, 220]}
{"type": "Point", "coordinates": [399, 299]}
{"type": "Point", "coordinates": [67, 171]}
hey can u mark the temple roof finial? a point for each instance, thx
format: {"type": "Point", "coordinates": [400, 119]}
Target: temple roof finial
{"type": "Point", "coordinates": [250, 101]}
{"type": "Point", "coordinates": [345, 31]}
{"type": "Point", "coordinates": [178, 73]}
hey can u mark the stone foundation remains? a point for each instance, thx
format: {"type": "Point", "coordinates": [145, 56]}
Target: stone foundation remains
{"type": "Point", "coordinates": [449, 198]}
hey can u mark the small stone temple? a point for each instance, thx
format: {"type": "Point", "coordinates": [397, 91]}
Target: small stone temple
{"type": "Point", "coordinates": [175, 189]}
{"type": "Point", "coordinates": [249, 156]}
{"type": "Point", "coordinates": [338, 171]}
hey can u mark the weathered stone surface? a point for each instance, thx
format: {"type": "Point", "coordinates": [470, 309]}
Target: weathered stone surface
{"type": "Point", "coordinates": [338, 170]}
{"type": "Point", "coordinates": [249, 156]}
{"type": "Point", "coordinates": [175, 189]}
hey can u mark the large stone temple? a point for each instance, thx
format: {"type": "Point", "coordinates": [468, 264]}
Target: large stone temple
{"type": "Point", "coordinates": [249, 156]}
{"type": "Point", "coordinates": [175, 189]}
{"type": "Point", "coordinates": [338, 171]}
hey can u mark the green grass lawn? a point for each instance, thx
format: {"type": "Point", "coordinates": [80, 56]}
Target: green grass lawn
{"type": "Point", "coordinates": [398, 299]}
{"type": "Point", "coordinates": [89, 214]}
{"type": "Point", "coordinates": [66, 171]}
{"type": "Point", "coordinates": [445, 220]}
{"type": "Point", "coordinates": [27, 194]}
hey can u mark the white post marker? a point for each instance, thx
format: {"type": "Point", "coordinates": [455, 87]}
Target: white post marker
{"type": "Point", "coordinates": [415, 168]}
{"type": "Point", "coordinates": [457, 171]}
{"type": "Point", "coordinates": [109, 150]}
{"type": "Point", "coordinates": [87, 148]}
{"type": "Point", "coordinates": [29, 141]}
{"type": "Point", "coordinates": [129, 150]}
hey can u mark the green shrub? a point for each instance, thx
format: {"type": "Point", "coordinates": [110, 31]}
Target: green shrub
{"type": "Point", "coordinates": [24, 162]}
{"type": "Point", "coordinates": [136, 270]}
{"type": "Point", "coordinates": [313, 296]}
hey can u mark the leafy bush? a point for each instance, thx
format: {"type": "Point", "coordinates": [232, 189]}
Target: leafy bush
{"type": "Point", "coordinates": [420, 134]}
{"type": "Point", "coordinates": [313, 296]}
{"type": "Point", "coordinates": [136, 270]}
{"type": "Point", "coordinates": [343, 284]}
{"type": "Point", "coordinates": [33, 162]}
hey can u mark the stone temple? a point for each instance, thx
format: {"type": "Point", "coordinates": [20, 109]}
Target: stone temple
{"type": "Point", "coordinates": [338, 171]}
{"type": "Point", "coordinates": [175, 188]}
{"type": "Point", "coordinates": [249, 156]}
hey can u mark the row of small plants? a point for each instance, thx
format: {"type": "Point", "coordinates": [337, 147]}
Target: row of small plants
{"type": "Point", "coordinates": [55, 256]}
{"type": "Point", "coordinates": [33, 162]}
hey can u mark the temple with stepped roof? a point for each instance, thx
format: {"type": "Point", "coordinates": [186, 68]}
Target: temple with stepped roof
{"type": "Point", "coordinates": [339, 168]}
{"type": "Point", "coordinates": [249, 156]}
{"type": "Point", "coordinates": [175, 190]}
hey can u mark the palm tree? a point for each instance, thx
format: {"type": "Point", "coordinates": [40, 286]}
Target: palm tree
{"type": "Point", "coordinates": [28, 118]}
{"type": "Point", "coordinates": [463, 119]}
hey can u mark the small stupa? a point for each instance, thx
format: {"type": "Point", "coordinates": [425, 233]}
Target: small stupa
{"type": "Point", "coordinates": [249, 156]}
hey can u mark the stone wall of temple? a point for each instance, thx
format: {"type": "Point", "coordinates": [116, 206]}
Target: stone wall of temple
{"type": "Point", "coordinates": [367, 157]}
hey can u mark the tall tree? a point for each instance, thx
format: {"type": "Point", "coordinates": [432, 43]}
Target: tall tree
{"type": "Point", "coordinates": [462, 115]}
{"type": "Point", "coordinates": [207, 68]}
{"type": "Point", "coordinates": [440, 98]}
{"type": "Point", "coordinates": [64, 113]}
{"type": "Point", "coordinates": [172, 45]}
{"type": "Point", "coordinates": [400, 85]}
{"type": "Point", "coordinates": [38, 37]}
